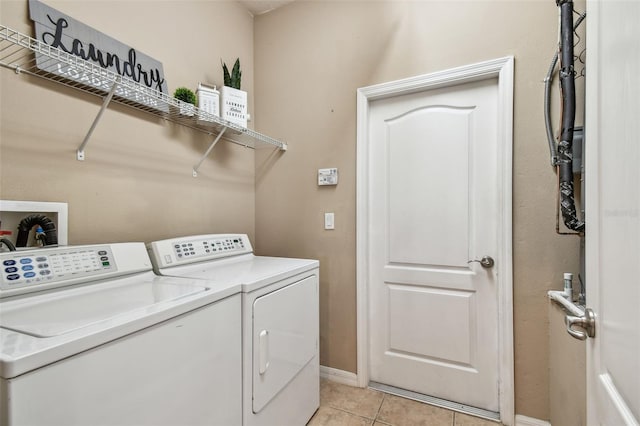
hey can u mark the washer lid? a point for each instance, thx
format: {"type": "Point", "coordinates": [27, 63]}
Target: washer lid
{"type": "Point", "coordinates": [249, 271]}
{"type": "Point", "coordinates": [48, 316]}
{"type": "Point", "coordinates": [83, 317]}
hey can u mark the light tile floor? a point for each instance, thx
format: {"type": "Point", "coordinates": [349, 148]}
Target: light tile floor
{"type": "Point", "coordinates": [342, 405]}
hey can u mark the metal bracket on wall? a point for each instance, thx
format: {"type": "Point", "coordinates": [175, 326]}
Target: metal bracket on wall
{"type": "Point", "coordinates": [105, 103]}
{"type": "Point", "coordinates": [213, 143]}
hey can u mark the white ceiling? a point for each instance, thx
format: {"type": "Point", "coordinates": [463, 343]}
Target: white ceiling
{"type": "Point", "coordinates": [258, 7]}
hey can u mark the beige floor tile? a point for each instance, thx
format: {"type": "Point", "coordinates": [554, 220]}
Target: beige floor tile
{"type": "Point", "coordinates": [327, 416]}
{"type": "Point", "coordinates": [466, 420]}
{"type": "Point", "coordinates": [405, 412]}
{"type": "Point", "coordinates": [361, 402]}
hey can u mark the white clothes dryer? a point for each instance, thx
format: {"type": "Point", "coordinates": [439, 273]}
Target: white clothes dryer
{"type": "Point", "coordinates": [279, 320]}
{"type": "Point", "coordinates": [89, 335]}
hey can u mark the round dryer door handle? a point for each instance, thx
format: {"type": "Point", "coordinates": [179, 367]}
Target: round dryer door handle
{"type": "Point", "coordinates": [263, 341]}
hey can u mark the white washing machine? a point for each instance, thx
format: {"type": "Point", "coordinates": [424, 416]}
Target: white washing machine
{"type": "Point", "coordinates": [279, 320]}
{"type": "Point", "coordinates": [89, 335]}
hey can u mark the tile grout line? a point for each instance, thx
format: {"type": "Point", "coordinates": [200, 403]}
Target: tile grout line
{"type": "Point", "coordinates": [349, 412]}
{"type": "Point", "coordinates": [375, 419]}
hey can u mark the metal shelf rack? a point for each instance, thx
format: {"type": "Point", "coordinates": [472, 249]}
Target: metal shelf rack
{"type": "Point", "coordinates": [20, 52]}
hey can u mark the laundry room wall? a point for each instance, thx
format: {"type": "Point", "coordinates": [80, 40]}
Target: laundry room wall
{"type": "Point", "coordinates": [136, 182]}
{"type": "Point", "coordinates": [310, 58]}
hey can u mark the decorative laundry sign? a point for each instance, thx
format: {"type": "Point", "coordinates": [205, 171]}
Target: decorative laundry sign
{"type": "Point", "coordinates": [71, 36]}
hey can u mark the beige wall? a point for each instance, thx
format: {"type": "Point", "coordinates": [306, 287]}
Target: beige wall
{"type": "Point", "coordinates": [310, 58]}
{"type": "Point", "coordinates": [136, 182]}
{"type": "Point", "coordinates": [567, 373]}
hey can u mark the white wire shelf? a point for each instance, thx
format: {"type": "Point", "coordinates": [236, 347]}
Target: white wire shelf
{"type": "Point", "coordinates": [20, 52]}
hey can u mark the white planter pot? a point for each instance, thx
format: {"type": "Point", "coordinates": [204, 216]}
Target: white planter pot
{"type": "Point", "coordinates": [234, 105]}
{"type": "Point", "coordinates": [187, 109]}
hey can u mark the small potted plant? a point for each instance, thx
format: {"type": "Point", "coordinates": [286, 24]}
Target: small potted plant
{"type": "Point", "coordinates": [233, 100]}
{"type": "Point", "coordinates": [188, 99]}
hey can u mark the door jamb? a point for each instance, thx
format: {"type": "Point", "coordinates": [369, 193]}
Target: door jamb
{"type": "Point", "coordinates": [502, 69]}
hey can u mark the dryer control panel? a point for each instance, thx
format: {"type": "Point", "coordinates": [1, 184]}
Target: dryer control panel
{"type": "Point", "coordinates": [177, 251]}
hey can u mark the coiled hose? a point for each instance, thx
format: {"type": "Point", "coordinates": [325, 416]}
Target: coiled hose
{"type": "Point", "coordinates": [7, 242]}
{"type": "Point", "coordinates": [25, 225]}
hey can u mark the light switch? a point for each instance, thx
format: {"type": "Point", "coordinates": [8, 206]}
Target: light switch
{"type": "Point", "coordinates": [329, 221]}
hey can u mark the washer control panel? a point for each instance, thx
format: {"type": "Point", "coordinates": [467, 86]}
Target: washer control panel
{"type": "Point", "coordinates": [198, 248]}
{"type": "Point", "coordinates": [39, 267]}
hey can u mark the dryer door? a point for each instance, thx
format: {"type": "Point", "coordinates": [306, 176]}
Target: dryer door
{"type": "Point", "coordinates": [285, 337]}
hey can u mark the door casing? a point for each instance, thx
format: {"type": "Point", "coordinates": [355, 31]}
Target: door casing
{"type": "Point", "coordinates": [502, 69]}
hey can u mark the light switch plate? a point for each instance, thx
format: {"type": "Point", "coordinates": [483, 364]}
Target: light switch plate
{"type": "Point", "coordinates": [329, 221]}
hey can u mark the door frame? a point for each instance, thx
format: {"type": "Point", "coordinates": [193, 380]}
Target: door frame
{"type": "Point", "coordinates": [502, 69]}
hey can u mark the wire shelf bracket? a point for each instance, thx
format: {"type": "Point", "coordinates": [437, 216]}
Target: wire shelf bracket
{"type": "Point", "coordinates": [105, 104]}
{"type": "Point", "coordinates": [211, 145]}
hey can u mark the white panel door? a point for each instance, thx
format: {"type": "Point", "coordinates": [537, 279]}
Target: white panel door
{"type": "Point", "coordinates": [612, 137]}
{"type": "Point", "coordinates": [434, 205]}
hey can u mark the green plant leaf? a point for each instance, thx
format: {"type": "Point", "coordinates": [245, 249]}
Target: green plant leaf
{"type": "Point", "coordinates": [227, 76]}
{"type": "Point", "coordinates": [233, 79]}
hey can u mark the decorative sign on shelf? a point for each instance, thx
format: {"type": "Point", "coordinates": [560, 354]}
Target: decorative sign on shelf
{"type": "Point", "coordinates": [63, 32]}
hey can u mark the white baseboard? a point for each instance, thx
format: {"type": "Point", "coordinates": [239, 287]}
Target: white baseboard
{"type": "Point", "coordinates": [530, 421]}
{"type": "Point", "coordinates": [340, 376]}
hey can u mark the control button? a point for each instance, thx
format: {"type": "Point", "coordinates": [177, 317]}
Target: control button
{"type": "Point", "coordinates": [190, 244]}
{"type": "Point", "coordinates": [29, 274]}
{"type": "Point", "coordinates": [102, 252]}
{"type": "Point", "coordinates": [184, 245]}
{"type": "Point", "coordinates": [104, 258]}
{"type": "Point", "coordinates": [43, 265]}
{"type": "Point", "coordinates": [27, 268]}
{"type": "Point", "coordinates": [177, 246]}
{"type": "Point", "coordinates": [179, 255]}
{"type": "Point", "coordinates": [9, 262]}
{"type": "Point", "coordinates": [13, 277]}
{"type": "Point", "coordinates": [11, 269]}
{"type": "Point", "coordinates": [105, 264]}
{"type": "Point", "coordinates": [26, 260]}
{"type": "Point", "coordinates": [41, 259]}
{"type": "Point", "coordinates": [45, 272]}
